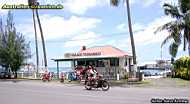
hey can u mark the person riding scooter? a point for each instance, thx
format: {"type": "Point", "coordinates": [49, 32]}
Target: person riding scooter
{"type": "Point", "coordinates": [46, 76]}
{"type": "Point", "coordinates": [92, 73]}
{"type": "Point", "coordinates": [62, 77]}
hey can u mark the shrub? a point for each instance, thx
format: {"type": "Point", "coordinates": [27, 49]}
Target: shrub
{"type": "Point", "coordinates": [182, 68]}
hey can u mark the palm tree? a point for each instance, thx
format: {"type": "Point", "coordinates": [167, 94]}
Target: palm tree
{"type": "Point", "coordinates": [35, 11]}
{"type": "Point", "coordinates": [42, 37]}
{"type": "Point", "coordinates": [116, 3]}
{"type": "Point", "coordinates": [179, 29]}
{"type": "Point", "coordinates": [30, 2]}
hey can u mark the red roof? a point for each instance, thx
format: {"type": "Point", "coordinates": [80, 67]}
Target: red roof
{"type": "Point", "coordinates": [96, 52]}
{"type": "Point", "coordinates": [106, 51]}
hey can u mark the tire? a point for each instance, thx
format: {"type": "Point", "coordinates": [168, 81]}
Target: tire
{"type": "Point", "coordinates": [105, 86]}
{"type": "Point", "coordinates": [88, 85]}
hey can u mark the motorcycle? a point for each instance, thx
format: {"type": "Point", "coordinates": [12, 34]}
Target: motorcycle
{"type": "Point", "coordinates": [97, 83]}
{"type": "Point", "coordinates": [62, 79]}
{"type": "Point", "coordinates": [46, 77]}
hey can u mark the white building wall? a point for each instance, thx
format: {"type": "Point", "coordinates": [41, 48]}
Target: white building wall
{"type": "Point", "coordinates": [122, 62]}
{"type": "Point", "coordinates": [127, 67]}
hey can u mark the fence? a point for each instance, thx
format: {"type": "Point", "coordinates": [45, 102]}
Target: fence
{"type": "Point", "coordinates": [106, 75]}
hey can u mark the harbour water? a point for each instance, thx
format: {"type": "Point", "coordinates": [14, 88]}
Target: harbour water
{"type": "Point", "coordinates": [152, 72]}
{"type": "Point", "coordinates": [146, 71]}
{"type": "Point", "coordinates": [61, 69]}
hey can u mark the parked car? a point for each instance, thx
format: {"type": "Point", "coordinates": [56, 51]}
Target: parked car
{"type": "Point", "coordinates": [5, 75]}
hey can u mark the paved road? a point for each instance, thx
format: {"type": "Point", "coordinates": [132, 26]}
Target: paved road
{"type": "Point", "coordinates": [32, 92]}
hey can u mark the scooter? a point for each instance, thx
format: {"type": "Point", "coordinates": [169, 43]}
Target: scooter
{"type": "Point", "coordinates": [46, 77]}
{"type": "Point", "coordinates": [62, 79]}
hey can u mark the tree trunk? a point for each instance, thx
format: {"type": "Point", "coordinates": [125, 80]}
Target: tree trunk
{"type": "Point", "coordinates": [36, 42]}
{"type": "Point", "coordinates": [42, 37]}
{"type": "Point", "coordinates": [15, 74]}
{"type": "Point", "coordinates": [131, 36]}
{"type": "Point", "coordinates": [189, 47]}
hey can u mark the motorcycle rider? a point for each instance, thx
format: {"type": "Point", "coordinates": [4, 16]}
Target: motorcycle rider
{"type": "Point", "coordinates": [62, 76]}
{"type": "Point", "coordinates": [93, 73]}
{"type": "Point", "coordinates": [78, 71]}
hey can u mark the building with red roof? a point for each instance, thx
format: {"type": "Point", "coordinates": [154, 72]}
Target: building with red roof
{"type": "Point", "coordinates": [108, 60]}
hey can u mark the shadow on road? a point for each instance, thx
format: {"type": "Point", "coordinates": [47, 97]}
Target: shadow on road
{"type": "Point", "coordinates": [94, 90]}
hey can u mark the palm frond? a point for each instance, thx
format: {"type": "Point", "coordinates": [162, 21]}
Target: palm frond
{"type": "Point", "coordinates": [31, 2]}
{"type": "Point", "coordinates": [166, 40]}
{"type": "Point", "coordinates": [184, 5]}
{"type": "Point", "coordinates": [168, 26]}
{"type": "Point", "coordinates": [114, 2]}
{"type": "Point", "coordinates": [187, 18]}
{"type": "Point", "coordinates": [174, 28]}
{"type": "Point", "coordinates": [164, 27]}
{"type": "Point", "coordinates": [172, 10]}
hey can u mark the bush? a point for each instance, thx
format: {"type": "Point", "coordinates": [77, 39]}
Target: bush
{"type": "Point", "coordinates": [182, 68]}
{"type": "Point", "coordinates": [126, 75]}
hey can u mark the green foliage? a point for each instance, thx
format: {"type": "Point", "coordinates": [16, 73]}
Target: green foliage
{"type": "Point", "coordinates": [126, 75]}
{"type": "Point", "coordinates": [182, 68]}
{"type": "Point", "coordinates": [114, 2]}
{"type": "Point", "coordinates": [13, 47]}
{"type": "Point", "coordinates": [179, 29]}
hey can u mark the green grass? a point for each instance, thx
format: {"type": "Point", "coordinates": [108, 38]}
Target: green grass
{"type": "Point", "coordinates": [145, 83]}
{"type": "Point", "coordinates": [181, 82]}
{"type": "Point", "coordinates": [125, 82]}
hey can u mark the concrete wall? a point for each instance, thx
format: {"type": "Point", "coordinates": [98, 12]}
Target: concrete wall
{"type": "Point", "coordinates": [108, 73]}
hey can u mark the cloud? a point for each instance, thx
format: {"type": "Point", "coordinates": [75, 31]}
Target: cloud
{"type": "Point", "coordinates": [145, 34]}
{"type": "Point", "coordinates": [124, 27]}
{"type": "Point", "coordinates": [52, 2]}
{"type": "Point", "coordinates": [121, 27]}
{"type": "Point", "coordinates": [144, 3]}
{"type": "Point", "coordinates": [83, 39]}
{"type": "Point", "coordinates": [82, 6]}
{"type": "Point", "coordinates": [56, 27]}
{"type": "Point", "coordinates": [148, 36]}
{"type": "Point", "coordinates": [147, 3]}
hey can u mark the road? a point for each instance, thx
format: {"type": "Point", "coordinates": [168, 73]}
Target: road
{"type": "Point", "coordinates": [35, 92]}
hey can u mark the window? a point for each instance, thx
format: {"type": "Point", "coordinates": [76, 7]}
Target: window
{"type": "Point", "coordinates": [126, 61]}
{"type": "Point", "coordinates": [90, 62]}
{"type": "Point", "coordinates": [114, 62]}
{"type": "Point", "coordinates": [82, 63]}
{"type": "Point", "coordinates": [100, 63]}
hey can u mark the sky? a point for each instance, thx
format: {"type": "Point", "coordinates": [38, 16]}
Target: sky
{"type": "Point", "coordinates": [96, 23]}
